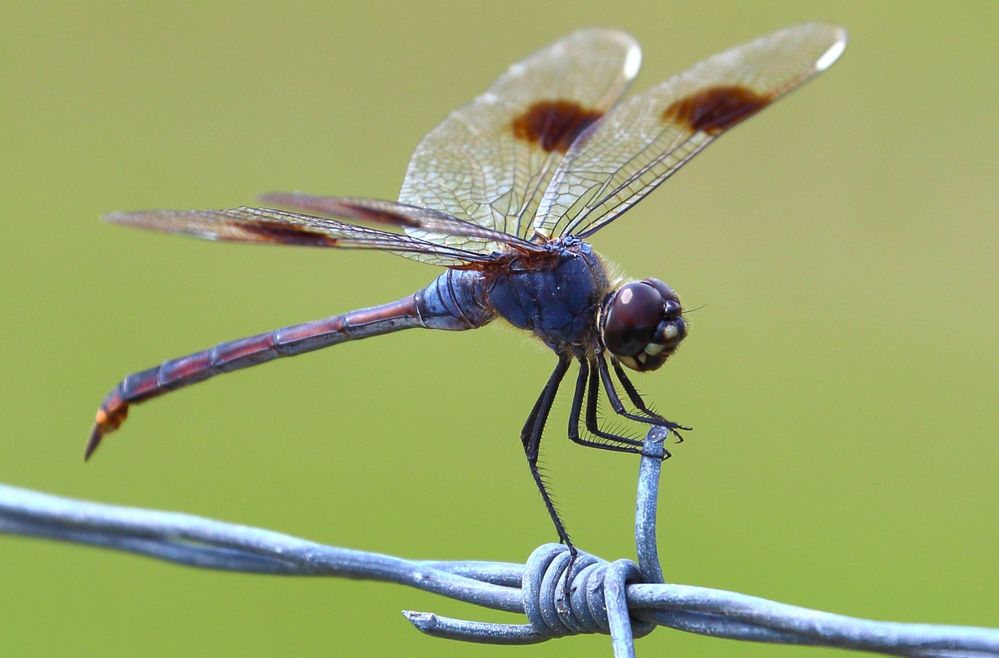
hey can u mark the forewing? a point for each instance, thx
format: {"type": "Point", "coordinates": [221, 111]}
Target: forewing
{"type": "Point", "coordinates": [490, 161]}
{"type": "Point", "coordinates": [269, 226]}
{"type": "Point", "coordinates": [643, 141]}
{"type": "Point", "coordinates": [380, 211]}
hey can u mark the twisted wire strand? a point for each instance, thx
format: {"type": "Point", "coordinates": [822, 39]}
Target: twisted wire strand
{"type": "Point", "coordinates": [623, 598]}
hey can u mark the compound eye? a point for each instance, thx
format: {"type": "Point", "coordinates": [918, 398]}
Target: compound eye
{"type": "Point", "coordinates": [633, 318]}
{"type": "Point", "coordinates": [667, 293]}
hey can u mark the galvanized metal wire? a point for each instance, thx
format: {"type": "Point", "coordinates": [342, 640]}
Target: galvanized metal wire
{"type": "Point", "coordinates": [621, 598]}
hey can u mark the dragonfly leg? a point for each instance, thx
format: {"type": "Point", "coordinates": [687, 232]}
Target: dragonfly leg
{"type": "Point", "coordinates": [586, 386]}
{"type": "Point", "coordinates": [531, 438]}
{"type": "Point", "coordinates": [616, 403]}
{"type": "Point", "coordinates": [636, 399]}
{"type": "Point", "coordinates": [529, 423]}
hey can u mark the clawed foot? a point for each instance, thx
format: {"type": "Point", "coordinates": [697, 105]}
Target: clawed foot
{"type": "Point", "coordinates": [671, 428]}
{"type": "Point", "coordinates": [676, 428]}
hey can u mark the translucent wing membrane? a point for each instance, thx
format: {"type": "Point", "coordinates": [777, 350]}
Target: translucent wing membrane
{"type": "Point", "coordinates": [400, 215]}
{"type": "Point", "coordinates": [490, 161]}
{"type": "Point", "coordinates": [268, 226]}
{"type": "Point", "coordinates": [617, 162]}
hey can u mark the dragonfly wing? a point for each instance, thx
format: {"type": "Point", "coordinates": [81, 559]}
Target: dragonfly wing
{"type": "Point", "coordinates": [269, 226]}
{"type": "Point", "coordinates": [490, 161]}
{"type": "Point", "coordinates": [646, 139]}
{"type": "Point", "coordinates": [400, 215]}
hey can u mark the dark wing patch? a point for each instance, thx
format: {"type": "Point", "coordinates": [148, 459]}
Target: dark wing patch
{"type": "Point", "coordinates": [490, 161]}
{"type": "Point", "coordinates": [453, 232]}
{"type": "Point", "coordinates": [716, 109]}
{"type": "Point", "coordinates": [289, 234]}
{"type": "Point", "coordinates": [553, 124]}
{"type": "Point", "coordinates": [269, 226]}
{"type": "Point", "coordinates": [645, 140]}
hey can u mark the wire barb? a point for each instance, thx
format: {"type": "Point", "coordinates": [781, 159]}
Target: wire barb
{"type": "Point", "coordinates": [622, 598]}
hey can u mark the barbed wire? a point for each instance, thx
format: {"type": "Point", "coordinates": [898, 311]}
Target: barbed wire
{"type": "Point", "coordinates": [622, 598]}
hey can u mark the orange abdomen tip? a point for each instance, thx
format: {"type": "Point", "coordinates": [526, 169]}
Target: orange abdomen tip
{"type": "Point", "coordinates": [110, 416]}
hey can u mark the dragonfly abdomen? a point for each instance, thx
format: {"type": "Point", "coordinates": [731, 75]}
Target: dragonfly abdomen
{"type": "Point", "coordinates": [405, 313]}
{"type": "Point", "coordinates": [455, 301]}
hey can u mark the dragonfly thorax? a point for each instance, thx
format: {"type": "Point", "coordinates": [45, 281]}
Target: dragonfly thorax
{"type": "Point", "coordinates": [555, 296]}
{"type": "Point", "coordinates": [641, 323]}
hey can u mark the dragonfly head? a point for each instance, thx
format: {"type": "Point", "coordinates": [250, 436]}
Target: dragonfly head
{"type": "Point", "coordinates": [641, 323]}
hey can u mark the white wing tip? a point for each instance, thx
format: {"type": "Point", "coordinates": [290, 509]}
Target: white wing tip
{"type": "Point", "coordinates": [835, 50]}
{"type": "Point", "coordinates": [632, 62]}
{"type": "Point", "coordinates": [625, 40]}
{"type": "Point", "coordinates": [121, 217]}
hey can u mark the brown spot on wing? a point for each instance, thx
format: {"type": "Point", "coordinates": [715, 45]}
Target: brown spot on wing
{"type": "Point", "coordinates": [553, 124]}
{"type": "Point", "coordinates": [279, 233]}
{"type": "Point", "coordinates": [380, 215]}
{"type": "Point", "coordinates": [341, 206]}
{"type": "Point", "coordinates": [716, 109]}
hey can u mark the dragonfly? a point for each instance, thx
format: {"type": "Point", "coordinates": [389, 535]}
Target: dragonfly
{"type": "Point", "coordinates": [504, 195]}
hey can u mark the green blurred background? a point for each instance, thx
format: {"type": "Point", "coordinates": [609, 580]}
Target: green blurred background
{"type": "Point", "coordinates": [842, 375]}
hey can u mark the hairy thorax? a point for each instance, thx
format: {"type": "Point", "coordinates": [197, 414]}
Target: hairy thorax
{"type": "Point", "coordinates": [555, 295]}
